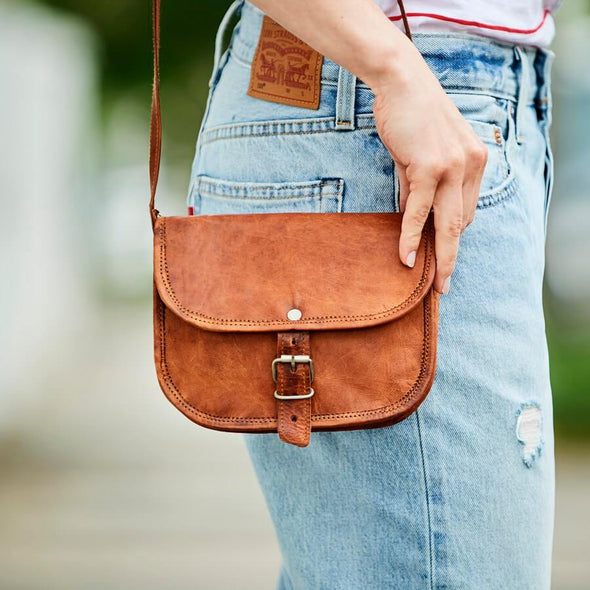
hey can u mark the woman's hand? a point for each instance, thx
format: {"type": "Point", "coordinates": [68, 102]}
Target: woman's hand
{"type": "Point", "coordinates": [439, 158]}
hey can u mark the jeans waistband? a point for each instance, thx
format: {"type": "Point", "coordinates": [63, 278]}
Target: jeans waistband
{"type": "Point", "coordinates": [461, 62]}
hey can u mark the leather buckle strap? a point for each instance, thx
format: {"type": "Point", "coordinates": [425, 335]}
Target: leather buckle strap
{"type": "Point", "coordinates": [293, 372]}
{"type": "Point", "coordinates": [293, 359]}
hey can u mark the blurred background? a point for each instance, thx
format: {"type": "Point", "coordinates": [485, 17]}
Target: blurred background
{"type": "Point", "coordinates": [103, 484]}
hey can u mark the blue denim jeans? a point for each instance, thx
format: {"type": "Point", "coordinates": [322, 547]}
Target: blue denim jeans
{"type": "Point", "coordinates": [460, 495]}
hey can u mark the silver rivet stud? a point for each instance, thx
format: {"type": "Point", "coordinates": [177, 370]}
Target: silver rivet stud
{"type": "Point", "coordinates": [294, 314]}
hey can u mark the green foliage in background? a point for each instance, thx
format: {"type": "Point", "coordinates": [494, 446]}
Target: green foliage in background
{"type": "Point", "coordinates": [569, 354]}
{"type": "Point", "coordinates": [124, 34]}
{"type": "Point", "coordinates": [124, 28]}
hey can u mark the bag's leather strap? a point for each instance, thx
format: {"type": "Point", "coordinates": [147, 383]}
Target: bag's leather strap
{"type": "Point", "coordinates": [156, 118]}
{"type": "Point", "coordinates": [402, 10]}
{"type": "Point", "coordinates": [294, 380]}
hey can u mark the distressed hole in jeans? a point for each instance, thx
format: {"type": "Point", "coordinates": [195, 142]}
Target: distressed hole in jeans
{"type": "Point", "coordinates": [529, 431]}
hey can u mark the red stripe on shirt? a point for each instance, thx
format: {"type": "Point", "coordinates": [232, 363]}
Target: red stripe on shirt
{"type": "Point", "coordinates": [472, 23]}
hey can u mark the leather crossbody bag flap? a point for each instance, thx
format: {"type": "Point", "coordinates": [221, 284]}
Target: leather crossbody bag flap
{"type": "Point", "coordinates": [289, 322]}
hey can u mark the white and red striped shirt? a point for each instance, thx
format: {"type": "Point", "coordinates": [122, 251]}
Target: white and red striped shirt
{"type": "Point", "coordinates": [522, 22]}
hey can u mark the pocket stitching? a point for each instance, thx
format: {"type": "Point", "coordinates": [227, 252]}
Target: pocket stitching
{"type": "Point", "coordinates": [504, 192]}
{"type": "Point", "coordinates": [318, 190]}
{"type": "Point", "coordinates": [315, 186]}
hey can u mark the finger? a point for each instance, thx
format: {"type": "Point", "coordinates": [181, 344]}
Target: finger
{"type": "Point", "coordinates": [403, 187]}
{"type": "Point", "coordinates": [470, 197]}
{"type": "Point", "coordinates": [417, 207]}
{"type": "Point", "coordinates": [448, 225]}
{"type": "Point", "coordinates": [477, 158]}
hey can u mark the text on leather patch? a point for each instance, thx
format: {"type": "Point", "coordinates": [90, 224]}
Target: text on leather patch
{"type": "Point", "coordinates": [285, 69]}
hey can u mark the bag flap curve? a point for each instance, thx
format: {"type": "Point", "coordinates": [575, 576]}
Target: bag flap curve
{"type": "Point", "coordinates": [245, 272]}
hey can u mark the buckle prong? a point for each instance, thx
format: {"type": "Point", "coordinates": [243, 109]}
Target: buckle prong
{"type": "Point", "coordinates": [293, 359]}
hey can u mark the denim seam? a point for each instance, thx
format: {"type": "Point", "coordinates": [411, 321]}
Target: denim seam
{"type": "Point", "coordinates": [320, 192]}
{"type": "Point", "coordinates": [323, 122]}
{"type": "Point", "coordinates": [271, 134]}
{"type": "Point", "coordinates": [311, 186]}
{"type": "Point", "coordinates": [321, 200]}
{"type": "Point", "coordinates": [315, 195]}
{"type": "Point", "coordinates": [488, 200]}
{"type": "Point", "coordinates": [427, 499]}
{"type": "Point", "coordinates": [480, 90]}
{"type": "Point", "coordinates": [316, 125]}
{"type": "Point", "coordinates": [500, 195]}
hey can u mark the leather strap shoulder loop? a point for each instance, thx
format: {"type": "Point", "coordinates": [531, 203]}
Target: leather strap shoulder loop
{"type": "Point", "coordinates": [156, 115]}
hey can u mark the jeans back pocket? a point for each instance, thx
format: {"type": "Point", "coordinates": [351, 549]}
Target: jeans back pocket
{"type": "Point", "coordinates": [214, 196]}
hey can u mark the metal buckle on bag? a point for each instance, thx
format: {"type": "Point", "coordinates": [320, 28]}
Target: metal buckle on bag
{"type": "Point", "coordinates": [293, 359]}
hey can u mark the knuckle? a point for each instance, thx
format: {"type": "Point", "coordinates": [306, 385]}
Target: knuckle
{"type": "Point", "coordinates": [438, 168]}
{"type": "Point", "coordinates": [478, 154]}
{"type": "Point", "coordinates": [430, 166]}
{"type": "Point", "coordinates": [454, 160]}
{"type": "Point", "coordinates": [419, 215]}
{"type": "Point", "coordinates": [453, 227]}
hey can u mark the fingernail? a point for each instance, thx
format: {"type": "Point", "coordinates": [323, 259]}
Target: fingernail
{"type": "Point", "coordinates": [411, 260]}
{"type": "Point", "coordinates": [446, 285]}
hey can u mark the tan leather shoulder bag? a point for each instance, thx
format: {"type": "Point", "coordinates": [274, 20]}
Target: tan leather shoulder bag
{"type": "Point", "coordinates": [289, 322]}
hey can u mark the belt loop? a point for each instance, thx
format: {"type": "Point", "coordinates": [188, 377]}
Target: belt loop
{"type": "Point", "coordinates": [523, 91]}
{"type": "Point", "coordinates": [219, 37]}
{"type": "Point", "coordinates": [345, 97]}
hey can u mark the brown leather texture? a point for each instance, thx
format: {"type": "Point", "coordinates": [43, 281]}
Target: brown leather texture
{"type": "Point", "coordinates": [341, 270]}
{"type": "Point", "coordinates": [223, 285]}
{"type": "Point", "coordinates": [285, 69]}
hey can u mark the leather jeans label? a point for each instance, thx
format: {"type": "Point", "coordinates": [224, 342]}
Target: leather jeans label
{"type": "Point", "coordinates": [284, 68]}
